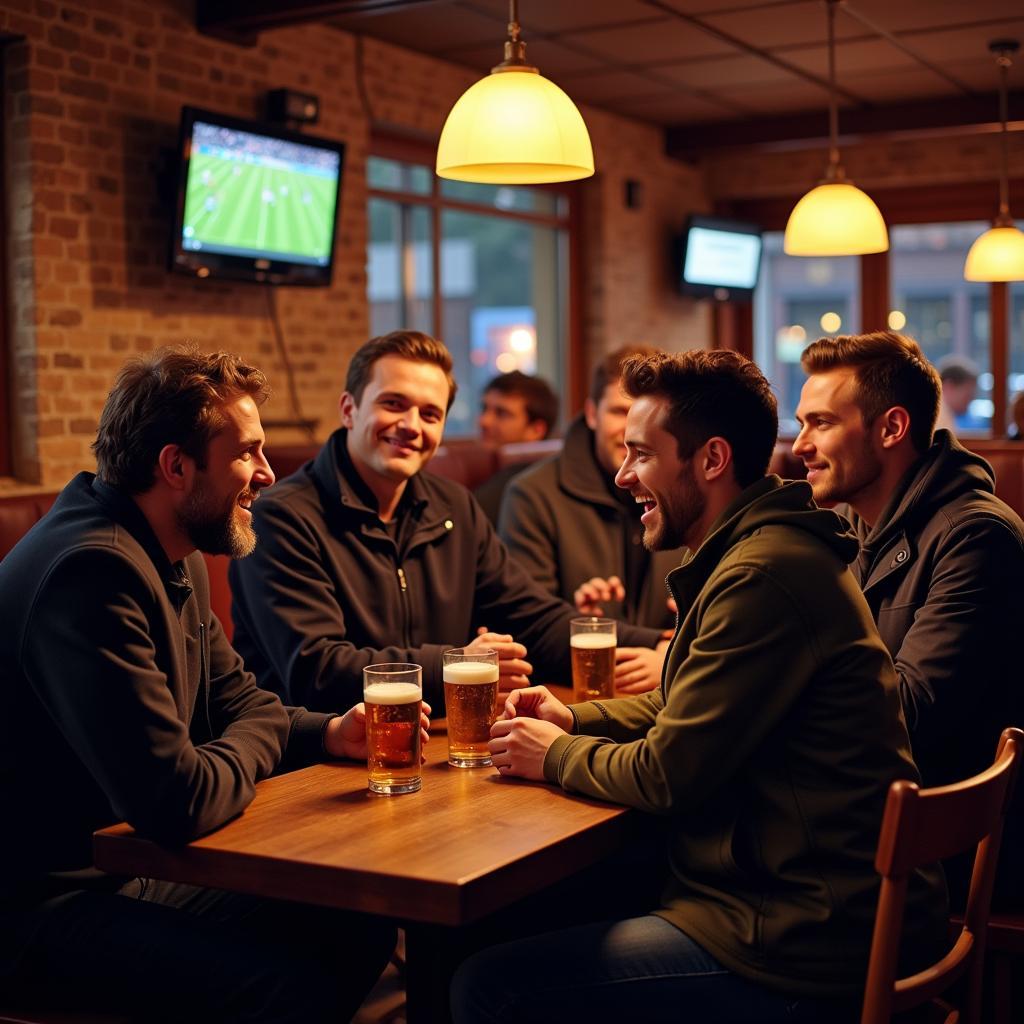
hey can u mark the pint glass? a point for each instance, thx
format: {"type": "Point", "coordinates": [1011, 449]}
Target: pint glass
{"type": "Point", "coordinates": [593, 658]}
{"type": "Point", "coordinates": [392, 694]}
{"type": "Point", "coordinates": [471, 702]}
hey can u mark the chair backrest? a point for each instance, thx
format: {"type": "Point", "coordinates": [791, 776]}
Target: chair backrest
{"type": "Point", "coordinates": [919, 827]}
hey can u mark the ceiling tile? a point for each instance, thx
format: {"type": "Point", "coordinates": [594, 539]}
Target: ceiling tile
{"type": "Point", "coordinates": [668, 109]}
{"type": "Point", "coordinates": [567, 15]}
{"type": "Point", "coordinates": [664, 39]}
{"type": "Point", "coordinates": [609, 85]}
{"type": "Point", "coordinates": [716, 72]}
{"type": "Point", "coordinates": [923, 14]}
{"type": "Point", "coordinates": [433, 28]}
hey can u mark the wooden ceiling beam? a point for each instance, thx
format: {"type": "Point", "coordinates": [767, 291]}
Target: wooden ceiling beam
{"type": "Point", "coordinates": [245, 18]}
{"type": "Point", "coordinates": [948, 115]}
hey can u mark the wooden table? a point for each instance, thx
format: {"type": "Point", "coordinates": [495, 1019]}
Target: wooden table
{"type": "Point", "coordinates": [469, 843]}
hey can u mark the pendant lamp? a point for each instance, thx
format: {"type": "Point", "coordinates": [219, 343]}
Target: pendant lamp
{"type": "Point", "coordinates": [836, 218]}
{"type": "Point", "coordinates": [514, 127]}
{"type": "Point", "coordinates": [998, 254]}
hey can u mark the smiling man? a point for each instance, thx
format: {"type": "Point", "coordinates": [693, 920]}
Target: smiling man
{"type": "Point", "coordinates": [770, 746]}
{"type": "Point", "coordinates": [124, 700]}
{"type": "Point", "coordinates": [363, 558]}
{"type": "Point", "coordinates": [941, 560]}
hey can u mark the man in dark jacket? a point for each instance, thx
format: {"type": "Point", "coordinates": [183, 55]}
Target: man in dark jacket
{"type": "Point", "coordinates": [363, 558]}
{"type": "Point", "coordinates": [769, 749]}
{"type": "Point", "coordinates": [579, 535]}
{"type": "Point", "coordinates": [941, 560]}
{"type": "Point", "coordinates": [124, 700]}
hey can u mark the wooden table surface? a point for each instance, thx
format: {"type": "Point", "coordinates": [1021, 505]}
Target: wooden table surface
{"type": "Point", "coordinates": [469, 843]}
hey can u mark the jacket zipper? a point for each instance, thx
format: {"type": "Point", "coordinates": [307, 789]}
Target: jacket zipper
{"type": "Point", "coordinates": [403, 587]}
{"type": "Point", "coordinates": [204, 678]}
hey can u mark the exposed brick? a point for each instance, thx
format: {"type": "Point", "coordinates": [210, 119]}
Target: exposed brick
{"type": "Point", "coordinates": [62, 38]}
{"type": "Point", "coordinates": [64, 227]}
{"type": "Point", "coordinates": [83, 426]}
{"type": "Point", "coordinates": [49, 58]}
{"type": "Point", "coordinates": [65, 318]}
{"type": "Point", "coordinates": [74, 17]}
{"type": "Point", "coordinates": [107, 27]}
{"type": "Point", "coordinates": [83, 87]}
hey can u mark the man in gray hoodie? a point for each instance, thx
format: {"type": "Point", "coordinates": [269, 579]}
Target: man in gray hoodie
{"type": "Point", "coordinates": [941, 559]}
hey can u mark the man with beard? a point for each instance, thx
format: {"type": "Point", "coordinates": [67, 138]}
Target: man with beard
{"type": "Point", "coordinates": [124, 700]}
{"type": "Point", "coordinates": [941, 560]}
{"type": "Point", "coordinates": [770, 746]}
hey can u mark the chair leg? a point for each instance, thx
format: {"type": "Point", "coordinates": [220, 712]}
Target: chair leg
{"type": "Point", "coordinates": [1002, 988]}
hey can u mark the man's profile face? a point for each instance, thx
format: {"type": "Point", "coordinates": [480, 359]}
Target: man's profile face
{"type": "Point", "coordinates": [834, 443]}
{"type": "Point", "coordinates": [215, 514]}
{"type": "Point", "coordinates": [504, 419]}
{"type": "Point", "coordinates": [607, 419]}
{"type": "Point", "coordinates": [959, 395]}
{"type": "Point", "coordinates": [658, 478]}
{"type": "Point", "coordinates": [395, 427]}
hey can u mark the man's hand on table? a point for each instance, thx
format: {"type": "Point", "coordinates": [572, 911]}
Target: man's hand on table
{"type": "Point", "coordinates": [530, 722]}
{"type": "Point", "coordinates": [345, 736]}
{"type": "Point", "coordinates": [638, 669]}
{"type": "Point", "coordinates": [513, 668]}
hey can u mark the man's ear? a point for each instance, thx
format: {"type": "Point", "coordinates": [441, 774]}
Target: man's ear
{"type": "Point", "coordinates": [347, 408]}
{"type": "Point", "coordinates": [893, 426]}
{"type": "Point", "coordinates": [174, 468]}
{"type": "Point", "coordinates": [715, 458]}
{"type": "Point", "coordinates": [536, 430]}
{"type": "Point", "coordinates": [590, 413]}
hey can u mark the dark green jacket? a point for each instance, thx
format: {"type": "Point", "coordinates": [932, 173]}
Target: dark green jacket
{"type": "Point", "coordinates": [771, 746]}
{"type": "Point", "coordinates": [563, 526]}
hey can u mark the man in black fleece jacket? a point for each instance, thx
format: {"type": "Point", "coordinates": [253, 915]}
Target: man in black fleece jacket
{"type": "Point", "coordinates": [124, 700]}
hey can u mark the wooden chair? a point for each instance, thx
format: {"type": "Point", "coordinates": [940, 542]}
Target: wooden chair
{"type": "Point", "coordinates": [921, 826]}
{"type": "Point", "coordinates": [1004, 946]}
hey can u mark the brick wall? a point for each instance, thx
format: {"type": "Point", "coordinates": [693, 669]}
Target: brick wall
{"type": "Point", "coordinates": [93, 93]}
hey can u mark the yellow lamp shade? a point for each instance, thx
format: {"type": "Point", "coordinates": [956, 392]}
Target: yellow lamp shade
{"type": "Point", "coordinates": [997, 255]}
{"type": "Point", "coordinates": [514, 128]}
{"type": "Point", "coordinates": [835, 219]}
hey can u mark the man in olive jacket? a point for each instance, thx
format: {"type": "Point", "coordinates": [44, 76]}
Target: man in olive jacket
{"type": "Point", "coordinates": [941, 559]}
{"type": "Point", "coordinates": [124, 700]}
{"type": "Point", "coordinates": [770, 746]}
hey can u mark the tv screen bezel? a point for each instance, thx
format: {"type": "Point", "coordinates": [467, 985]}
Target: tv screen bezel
{"type": "Point", "coordinates": [726, 224]}
{"type": "Point", "coordinates": [261, 270]}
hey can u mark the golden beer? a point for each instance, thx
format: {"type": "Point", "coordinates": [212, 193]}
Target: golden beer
{"type": "Point", "coordinates": [593, 666]}
{"type": "Point", "coordinates": [393, 736]}
{"type": "Point", "coordinates": [471, 700]}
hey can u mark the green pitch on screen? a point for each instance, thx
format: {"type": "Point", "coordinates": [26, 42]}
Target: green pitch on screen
{"type": "Point", "coordinates": [249, 206]}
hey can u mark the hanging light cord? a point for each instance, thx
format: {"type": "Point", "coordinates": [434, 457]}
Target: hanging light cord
{"type": "Point", "coordinates": [834, 170]}
{"type": "Point", "coordinates": [1004, 60]}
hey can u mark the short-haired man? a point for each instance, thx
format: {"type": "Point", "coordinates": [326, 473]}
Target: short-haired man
{"type": "Point", "coordinates": [515, 409]}
{"type": "Point", "coordinates": [959, 378]}
{"type": "Point", "coordinates": [579, 535]}
{"type": "Point", "coordinates": [770, 747]}
{"type": "Point", "coordinates": [364, 558]}
{"type": "Point", "coordinates": [124, 700]}
{"type": "Point", "coordinates": [942, 558]}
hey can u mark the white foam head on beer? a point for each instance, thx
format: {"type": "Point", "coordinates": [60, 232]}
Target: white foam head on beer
{"type": "Point", "coordinates": [592, 641]}
{"type": "Point", "coordinates": [391, 693]}
{"type": "Point", "coordinates": [467, 672]}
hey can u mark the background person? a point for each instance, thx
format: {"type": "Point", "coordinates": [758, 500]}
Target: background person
{"type": "Point", "coordinates": [124, 700]}
{"type": "Point", "coordinates": [959, 379]}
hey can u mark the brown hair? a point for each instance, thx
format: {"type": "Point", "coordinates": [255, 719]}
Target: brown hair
{"type": "Point", "coordinates": [414, 345]}
{"type": "Point", "coordinates": [609, 370]}
{"type": "Point", "coordinates": [171, 396]}
{"type": "Point", "coordinates": [541, 402]}
{"type": "Point", "coordinates": [890, 369]}
{"type": "Point", "coordinates": [712, 394]}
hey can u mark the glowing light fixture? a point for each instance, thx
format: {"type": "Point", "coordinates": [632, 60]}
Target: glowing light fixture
{"type": "Point", "coordinates": [998, 254]}
{"type": "Point", "coordinates": [836, 218]}
{"type": "Point", "coordinates": [514, 127]}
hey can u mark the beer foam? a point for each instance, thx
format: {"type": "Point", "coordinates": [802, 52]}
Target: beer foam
{"type": "Point", "coordinates": [467, 672]}
{"type": "Point", "coordinates": [592, 641]}
{"type": "Point", "coordinates": [391, 693]}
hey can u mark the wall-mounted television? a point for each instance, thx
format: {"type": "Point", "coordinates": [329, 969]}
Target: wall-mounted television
{"type": "Point", "coordinates": [255, 202]}
{"type": "Point", "coordinates": [719, 257]}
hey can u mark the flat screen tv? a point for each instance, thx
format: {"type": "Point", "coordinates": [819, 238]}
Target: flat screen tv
{"type": "Point", "coordinates": [255, 202]}
{"type": "Point", "coordinates": [719, 257]}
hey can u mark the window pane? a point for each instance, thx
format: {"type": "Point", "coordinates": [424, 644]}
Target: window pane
{"type": "Point", "coordinates": [799, 299]}
{"type": "Point", "coordinates": [503, 290]}
{"type": "Point", "coordinates": [945, 314]}
{"type": "Point", "coordinates": [505, 197]}
{"type": "Point", "coordinates": [400, 177]}
{"type": "Point", "coordinates": [400, 275]}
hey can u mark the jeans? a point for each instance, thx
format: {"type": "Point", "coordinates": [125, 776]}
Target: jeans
{"type": "Point", "coordinates": [639, 969]}
{"type": "Point", "coordinates": [167, 952]}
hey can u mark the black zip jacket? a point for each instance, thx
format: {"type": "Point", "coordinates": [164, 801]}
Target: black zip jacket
{"type": "Point", "coordinates": [329, 590]}
{"type": "Point", "coordinates": [123, 698]}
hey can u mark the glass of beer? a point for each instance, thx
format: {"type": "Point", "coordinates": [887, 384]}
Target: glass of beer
{"type": "Point", "coordinates": [392, 694]}
{"type": "Point", "coordinates": [593, 658]}
{"type": "Point", "coordinates": [471, 703]}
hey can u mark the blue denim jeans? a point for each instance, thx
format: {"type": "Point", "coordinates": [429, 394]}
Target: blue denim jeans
{"type": "Point", "coordinates": [639, 969]}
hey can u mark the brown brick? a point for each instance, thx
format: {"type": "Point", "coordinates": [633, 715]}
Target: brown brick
{"type": "Point", "coordinates": [49, 58]}
{"type": "Point", "coordinates": [67, 404]}
{"type": "Point", "coordinates": [51, 199]}
{"type": "Point", "coordinates": [65, 318]}
{"type": "Point", "coordinates": [71, 134]}
{"type": "Point", "coordinates": [79, 65]}
{"type": "Point", "coordinates": [84, 87]}
{"type": "Point", "coordinates": [64, 227]}
{"type": "Point", "coordinates": [77, 18]}
{"type": "Point", "coordinates": [63, 38]}
{"type": "Point", "coordinates": [81, 425]}
{"type": "Point", "coordinates": [107, 27]}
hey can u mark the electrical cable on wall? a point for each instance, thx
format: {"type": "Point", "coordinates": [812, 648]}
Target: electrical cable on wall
{"type": "Point", "coordinates": [308, 425]}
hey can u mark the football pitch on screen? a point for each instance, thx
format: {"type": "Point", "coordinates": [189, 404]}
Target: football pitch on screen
{"type": "Point", "coordinates": [250, 206]}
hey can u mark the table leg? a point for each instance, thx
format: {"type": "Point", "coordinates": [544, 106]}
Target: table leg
{"type": "Point", "coordinates": [431, 956]}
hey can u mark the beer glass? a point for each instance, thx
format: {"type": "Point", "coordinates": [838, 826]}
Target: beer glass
{"type": "Point", "coordinates": [392, 694]}
{"type": "Point", "coordinates": [471, 703]}
{"type": "Point", "coordinates": [593, 658]}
